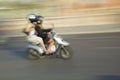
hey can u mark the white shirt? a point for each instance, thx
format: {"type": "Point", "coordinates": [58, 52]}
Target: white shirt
{"type": "Point", "coordinates": [32, 33]}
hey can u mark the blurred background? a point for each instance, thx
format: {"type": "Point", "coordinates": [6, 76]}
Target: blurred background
{"type": "Point", "coordinates": [92, 27]}
{"type": "Point", "coordinates": [63, 13]}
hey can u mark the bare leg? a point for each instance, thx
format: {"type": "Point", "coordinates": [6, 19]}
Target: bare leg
{"type": "Point", "coordinates": [50, 44]}
{"type": "Point", "coordinates": [43, 46]}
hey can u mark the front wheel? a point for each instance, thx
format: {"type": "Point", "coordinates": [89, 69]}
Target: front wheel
{"type": "Point", "coordinates": [66, 52]}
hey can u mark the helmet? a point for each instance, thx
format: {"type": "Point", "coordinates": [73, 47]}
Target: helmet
{"type": "Point", "coordinates": [39, 19]}
{"type": "Point", "coordinates": [32, 18]}
{"type": "Point", "coordinates": [35, 18]}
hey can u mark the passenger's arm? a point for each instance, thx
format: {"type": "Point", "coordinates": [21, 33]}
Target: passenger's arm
{"type": "Point", "coordinates": [28, 27]}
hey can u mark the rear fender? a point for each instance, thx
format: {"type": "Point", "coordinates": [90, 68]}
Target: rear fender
{"type": "Point", "coordinates": [37, 48]}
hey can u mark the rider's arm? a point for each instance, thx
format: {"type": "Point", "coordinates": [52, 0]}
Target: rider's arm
{"type": "Point", "coordinates": [46, 30]}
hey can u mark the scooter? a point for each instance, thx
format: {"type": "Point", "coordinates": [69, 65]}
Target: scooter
{"type": "Point", "coordinates": [61, 48]}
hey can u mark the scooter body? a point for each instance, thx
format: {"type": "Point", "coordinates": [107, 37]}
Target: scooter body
{"type": "Point", "coordinates": [60, 47]}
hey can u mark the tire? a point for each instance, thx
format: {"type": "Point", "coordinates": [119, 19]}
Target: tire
{"type": "Point", "coordinates": [66, 52]}
{"type": "Point", "coordinates": [32, 54]}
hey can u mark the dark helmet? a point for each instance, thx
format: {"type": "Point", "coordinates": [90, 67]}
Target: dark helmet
{"type": "Point", "coordinates": [39, 19]}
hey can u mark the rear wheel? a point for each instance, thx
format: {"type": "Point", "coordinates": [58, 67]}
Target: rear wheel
{"type": "Point", "coordinates": [66, 52]}
{"type": "Point", "coordinates": [32, 54]}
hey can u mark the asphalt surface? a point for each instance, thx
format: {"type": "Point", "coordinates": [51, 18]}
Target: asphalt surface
{"type": "Point", "coordinates": [96, 57]}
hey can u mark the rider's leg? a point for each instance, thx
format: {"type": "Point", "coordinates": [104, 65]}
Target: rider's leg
{"type": "Point", "coordinates": [50, 44]}
{"type": "Point", "coordinates": [43, 46]}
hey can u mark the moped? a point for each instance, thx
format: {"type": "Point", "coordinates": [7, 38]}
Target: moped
{"type": "Point", "coordinates": [61, 48]}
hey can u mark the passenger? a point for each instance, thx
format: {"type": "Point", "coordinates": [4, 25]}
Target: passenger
{"type": "Point", "coordinates": [32, 34]}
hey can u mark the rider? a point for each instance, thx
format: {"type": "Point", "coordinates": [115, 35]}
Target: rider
{"type": "Point", "coordinates": [32, 35]}
{"type": "Point", "coordinates": [44, 33]}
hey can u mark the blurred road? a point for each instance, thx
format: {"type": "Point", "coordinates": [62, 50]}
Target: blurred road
{"type": "Point", "coordinates": [96, 57]}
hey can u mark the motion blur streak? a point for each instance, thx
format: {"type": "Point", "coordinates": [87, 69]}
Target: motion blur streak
{"type": "Point", "coordinates": [60, 12]}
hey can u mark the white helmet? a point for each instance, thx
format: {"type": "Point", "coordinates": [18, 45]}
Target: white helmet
{"type": "Point", "coordinates": [32, 18]}
{"type": "Point", "coordinates": [35, 18]}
